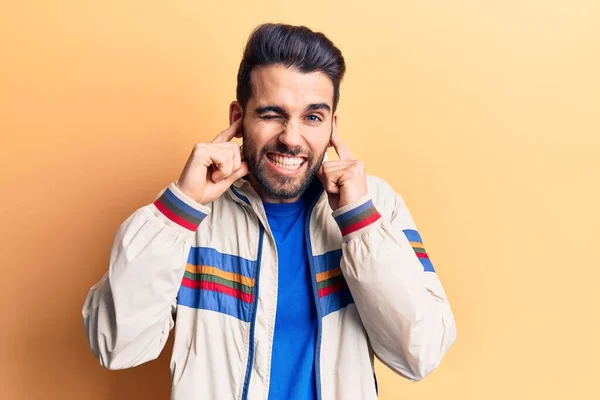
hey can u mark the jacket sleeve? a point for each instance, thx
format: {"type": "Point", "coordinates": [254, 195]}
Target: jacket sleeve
{"type": "Point", "coordinates": [128, 315]}
{"type": "Point", "coordinates": [398, 295]}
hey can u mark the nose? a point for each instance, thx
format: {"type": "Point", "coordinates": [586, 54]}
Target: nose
{"type": "Point", "coordinates": [291, 136]}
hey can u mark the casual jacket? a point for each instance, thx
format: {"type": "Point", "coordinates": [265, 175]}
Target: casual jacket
{"type": "Point", "coordinates": [213, 269]}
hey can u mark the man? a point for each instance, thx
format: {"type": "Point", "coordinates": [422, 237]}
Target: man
{"type": "Point", "coordinates": [286, 273]}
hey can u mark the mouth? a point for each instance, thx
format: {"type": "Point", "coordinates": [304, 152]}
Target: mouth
{"type": "Point", "coordinates": [286, 165]}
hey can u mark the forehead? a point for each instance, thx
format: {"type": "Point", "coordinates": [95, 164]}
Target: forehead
{"type": "Point", "coordinates": [289, 88]}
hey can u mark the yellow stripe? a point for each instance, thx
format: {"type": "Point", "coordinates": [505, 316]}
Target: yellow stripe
{"type": "Point", "coordinates": [417, 244]}
{"type": "Point", "coordinates": [205, 269]}
{"type": "Point", "coordinates": [328, 274]}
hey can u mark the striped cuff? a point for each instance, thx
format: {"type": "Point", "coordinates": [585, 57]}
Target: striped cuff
{"type": "Point", "coordinates": [181, 209]}
{"type": "Point", "coordinates": [357, 216]}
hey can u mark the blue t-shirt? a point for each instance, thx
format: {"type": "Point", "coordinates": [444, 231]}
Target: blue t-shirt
{"type": "Point", "coordinates": [293, 358]}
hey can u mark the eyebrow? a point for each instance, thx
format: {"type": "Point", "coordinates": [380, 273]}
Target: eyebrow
{"type": "Point", "coordinates": [279, 110]}
{"type": "Point", "coordinates": [319, 106]}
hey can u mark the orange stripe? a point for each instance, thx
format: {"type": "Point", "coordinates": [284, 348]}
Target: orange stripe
{"type": "Point", "coordinates": [328, 274]}
{"type": "Point", "coordinates": [417, 244]}
{"type": "Point", "coordinates": [205, 269]}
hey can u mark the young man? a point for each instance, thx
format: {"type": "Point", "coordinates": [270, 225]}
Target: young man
{"type": "Point", "coordinates": [286, 273]}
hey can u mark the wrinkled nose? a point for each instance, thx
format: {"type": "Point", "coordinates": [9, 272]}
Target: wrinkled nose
{"type": "Point", "coordinates": [291, 136]}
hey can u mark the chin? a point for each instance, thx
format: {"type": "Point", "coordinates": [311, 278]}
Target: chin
{"type": "Point", "coordinates": [288, 189]}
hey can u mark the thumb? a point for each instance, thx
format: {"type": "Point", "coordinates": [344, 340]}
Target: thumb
{"type": "Point", "coordinates": [240, 173]}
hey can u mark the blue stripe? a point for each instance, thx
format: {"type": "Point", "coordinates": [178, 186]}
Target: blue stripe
{"type": "Point", "coordinates": [336, 301]}
{"type": "Point", "coordinates": [354, 212]}
{"type": "Point", "coordinates": [328, 261]}
{"type": "Point", "coordinates": [177, 202]}
{"type": "Point", "coordinates": [239, 195]}
{"type": "Point", "coordinates": [427, 265]}
{"type": "Point", "coordinates": [261, 234]}
{"type": "Point", "coordinates": [213, 301]}
{"type": "Point", "coordinates": [413, 236]}
{"type": "Point", "coordinates": [225, 262]}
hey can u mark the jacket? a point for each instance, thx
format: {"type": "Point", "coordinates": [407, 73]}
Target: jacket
{"type": "Point", "coordinates": [213, 270]}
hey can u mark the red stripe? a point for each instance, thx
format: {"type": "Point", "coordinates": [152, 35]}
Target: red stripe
{"type": "Point", "coordinates": [422, 255]}
{"type": "Point", "coordinates": [330, 289]}
{"type": "Point", "coordinates": [174, 217]}
{"type": "Point", "coordinates": [215, 287]}
{"type": "Point", "coordinates": [361, 224]}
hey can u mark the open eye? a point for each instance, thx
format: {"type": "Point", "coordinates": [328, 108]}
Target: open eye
{"type": "Point", "coordinates": [313, 118]}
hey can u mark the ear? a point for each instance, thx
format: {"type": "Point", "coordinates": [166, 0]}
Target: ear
{"type": "Point", "coordinates": [334, 127]}
{"type": "Point", "coordinates": [235, 112]}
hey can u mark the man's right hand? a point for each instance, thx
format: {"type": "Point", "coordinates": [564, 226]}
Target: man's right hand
{"type": "Point", "coordinates": [213, 167]}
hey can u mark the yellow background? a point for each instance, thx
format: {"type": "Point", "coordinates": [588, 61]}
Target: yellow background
{"type": "Point", "coordinates": [483, 114]}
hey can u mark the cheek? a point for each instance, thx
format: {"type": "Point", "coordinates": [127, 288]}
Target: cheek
{"type": "Point", "coordinates": [261, 134]}
{"type": "Point", "coordinates": [318, 147]}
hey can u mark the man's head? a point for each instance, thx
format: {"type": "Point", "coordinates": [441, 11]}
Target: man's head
{"type": "Point", "coordinates": [287, 93]}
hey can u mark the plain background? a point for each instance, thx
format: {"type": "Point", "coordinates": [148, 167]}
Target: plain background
{"type": "Point", "coordinates": [484, 115]}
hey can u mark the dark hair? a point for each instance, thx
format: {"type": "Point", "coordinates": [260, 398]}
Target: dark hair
{"type": "Point", "coordinates": [295, 47]}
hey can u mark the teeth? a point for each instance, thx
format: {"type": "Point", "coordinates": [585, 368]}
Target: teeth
{"type": "Point", "coordinates": [291, 163]}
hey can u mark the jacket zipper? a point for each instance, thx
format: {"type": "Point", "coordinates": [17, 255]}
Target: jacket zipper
{"type": "Point", "coordinates": [252, 323]}
{"type": "Point", "coordinates": [316, 296]}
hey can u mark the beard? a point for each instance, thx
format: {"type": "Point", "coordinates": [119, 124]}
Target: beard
{"type": "Point", "coordinates": [276, 185]}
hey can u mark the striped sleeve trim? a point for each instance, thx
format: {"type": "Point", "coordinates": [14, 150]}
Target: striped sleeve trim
{"type": "Point", "coordinates": [353, 218]}
{"type": "Point", "coordinates": [416, 243]}
{"type": "Point", "coordinates": [179, 208]}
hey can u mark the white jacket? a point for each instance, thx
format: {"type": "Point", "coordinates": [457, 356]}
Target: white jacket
{"type": "Point", "coordinates": [214, 269]}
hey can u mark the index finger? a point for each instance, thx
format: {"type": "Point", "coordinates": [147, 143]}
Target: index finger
{"type": "Point", "coordinates": [235, 129]}
{"type": "Point", "coordinates": [340, 147]}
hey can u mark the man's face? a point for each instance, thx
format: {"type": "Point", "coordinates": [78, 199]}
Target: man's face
{"type": "Point", "coordinates": [287, 126]}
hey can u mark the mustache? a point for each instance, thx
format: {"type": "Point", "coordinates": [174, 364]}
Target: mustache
{"type": "Point", "coordinates": [281, 149]}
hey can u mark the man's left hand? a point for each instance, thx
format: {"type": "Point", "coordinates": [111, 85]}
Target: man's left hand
{"type": "Point", "coordinates": [345, 180]}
